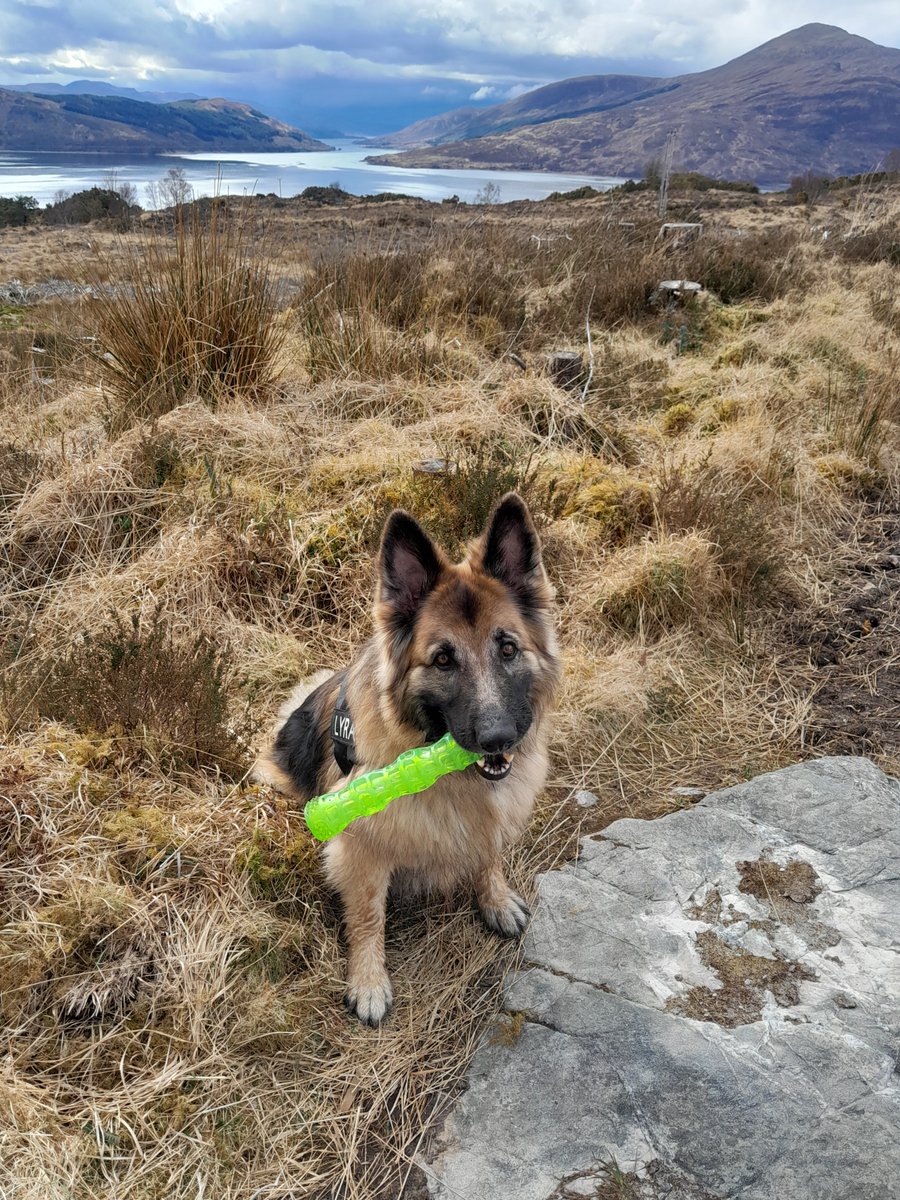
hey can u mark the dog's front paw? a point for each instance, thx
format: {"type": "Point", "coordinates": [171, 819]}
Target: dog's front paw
{"type": "Point", "coordinates": [508, 919]}
{"type": "Point", "coordinates": [371, 1001]}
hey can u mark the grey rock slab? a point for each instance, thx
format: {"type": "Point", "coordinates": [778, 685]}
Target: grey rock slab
{"type": "Point", "coordinates": [711, 1001]}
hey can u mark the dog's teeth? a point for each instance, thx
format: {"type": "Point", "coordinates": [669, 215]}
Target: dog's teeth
{"type": "Point", "coordinates": [481, 762]}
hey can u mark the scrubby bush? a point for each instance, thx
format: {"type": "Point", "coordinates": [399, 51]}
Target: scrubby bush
{"type": "Point", "coordinates": [762, 265]}
{"type": "Point", "coordinates": [326, 196]}
{"type": "Point", "coordinates": [879, 242]}
{"type": "Point", "coordinates": [17, 210]}
{"type": "Point", "coordinates": [600, 272]}
{"type": "Point", "coordinates": [809, 187]}
{"type": "Point", "coordinates": [94, 204]}
{"type": "Point", "coordinates": [375, 313]}
{"type": "Point", "coordinates": [162, 694]}
{"type": "Point", "coordinates": [737, 516]}
{"type": "Point", "coordinates": [694, 181]}
{"type": "Point", "coordinates": [580, 193]}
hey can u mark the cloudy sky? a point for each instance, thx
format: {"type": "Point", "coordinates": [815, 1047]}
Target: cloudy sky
{"type": "Point", "coordinates": [374, 65]}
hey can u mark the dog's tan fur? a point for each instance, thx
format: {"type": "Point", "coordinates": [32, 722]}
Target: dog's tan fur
{"type": "Point", "coordinates": [456, 832]}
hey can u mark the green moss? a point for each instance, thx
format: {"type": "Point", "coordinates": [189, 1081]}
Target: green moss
{"type": "Point", "coordinates": [10, 316]}
{"type": "Point", "coordinates": [737, 317]}
{"type": "Point", "coordinates": [738, 354]}
{"type": "Point", "coordinates": [509, 1030]}
{"type": "Point", "coordinates": [677, 418]}
{"type": "Point", "coordinates": [278, 869]}
{"type": "Point", "coordinates": [827, 350]}
{"type": "Point", "coordinates": [57, 934]}
{"type": "Point", "coordinates": [618, 505]}
{"type": "Point", "coordinates": [144, 828]}
{"type": "Point", "coordinates": [335, 541]}
{"type": "Point", "coordinates": [851, 476]}
{"type": "Point", "coordinates": [727, 410]}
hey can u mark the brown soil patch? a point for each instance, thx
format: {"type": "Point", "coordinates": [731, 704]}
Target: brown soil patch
{"type": "Point", "coordinates": [786, 891]}
{"type": "Point", "coordinates": [608, 1181]}
{"type": "Point", "coordinates": [855, 649]}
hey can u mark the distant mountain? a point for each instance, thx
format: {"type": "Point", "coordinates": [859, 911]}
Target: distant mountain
{"type": "Point", "coordinates": [97, 87]}
{"type": "Point", "coordinates": [118, 124]}
{"type": "Point", "coordinates": [817, 98]}
{"type": "Point", "coordinates": [556, 101]}
{"type": "Point", "coordinates": [329, 132]}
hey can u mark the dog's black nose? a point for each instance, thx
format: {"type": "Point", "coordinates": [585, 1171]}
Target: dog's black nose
{"type": "Point", "coordinates": [496, 736]}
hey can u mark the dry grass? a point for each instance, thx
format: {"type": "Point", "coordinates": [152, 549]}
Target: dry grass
{"type": "Point", "coordinates": [171, 969]}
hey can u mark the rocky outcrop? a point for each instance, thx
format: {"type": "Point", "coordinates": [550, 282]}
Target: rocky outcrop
{"type": "Point", "coordinates": [708, 1007]}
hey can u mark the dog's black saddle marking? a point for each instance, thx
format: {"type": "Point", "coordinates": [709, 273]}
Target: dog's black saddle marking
{"type": "Point", "coordinates": [342, 739]}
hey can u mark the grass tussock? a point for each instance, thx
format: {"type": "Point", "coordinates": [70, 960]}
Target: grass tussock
{"type": "Point", "coordinates": [455, 500]}
{"type": "Point", "coordinates": [194, 318]}
{"type": "Point", "coordinates": [662, 584]}
{"type": "Point", "coordinates": [180, 541]}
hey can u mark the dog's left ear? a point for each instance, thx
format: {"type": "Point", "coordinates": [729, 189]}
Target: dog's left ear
{"type": "Point", "coordinates": [512, 551]}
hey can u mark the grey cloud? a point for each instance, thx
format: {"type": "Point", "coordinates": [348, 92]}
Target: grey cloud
{"type": "Point", "coordinates": [242, 46]}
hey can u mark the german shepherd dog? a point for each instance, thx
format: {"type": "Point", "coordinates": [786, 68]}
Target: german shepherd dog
{"type": "Point", "coordinates": [467, 648]}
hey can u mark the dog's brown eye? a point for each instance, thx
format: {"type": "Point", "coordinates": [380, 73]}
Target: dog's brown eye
{"type": "Point", "coordinates": [443, 659]}
{"type": "Point", "coordinates": [509, 649]}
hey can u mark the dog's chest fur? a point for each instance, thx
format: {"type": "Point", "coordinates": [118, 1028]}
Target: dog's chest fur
{"type": "Point", "coordinates": [446, 835]}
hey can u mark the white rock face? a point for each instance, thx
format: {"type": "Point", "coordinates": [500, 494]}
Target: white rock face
{"type": "Point", "coordinates": [712, 1002]}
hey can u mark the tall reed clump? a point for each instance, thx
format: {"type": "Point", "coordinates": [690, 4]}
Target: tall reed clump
{"type": "Point", "coordinates": [423, 312]}
{"type": "Point", "coordinates": [196, 319]}
{"type": "Point", "coordinates": [362, 315]}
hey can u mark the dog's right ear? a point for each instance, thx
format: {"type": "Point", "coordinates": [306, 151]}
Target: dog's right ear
{"type": "Point", "coordinates": [410, 565]}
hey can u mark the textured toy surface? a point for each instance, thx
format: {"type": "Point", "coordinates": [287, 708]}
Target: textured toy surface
{"type": "Point", "coordinates": [414, 771]}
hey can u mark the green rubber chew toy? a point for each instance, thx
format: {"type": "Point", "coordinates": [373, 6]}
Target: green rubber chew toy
{"type": "Point", "coordinates": [414, 771]}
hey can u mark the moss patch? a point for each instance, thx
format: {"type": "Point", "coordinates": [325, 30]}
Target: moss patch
{"type": "Point", "coordinates": [796, 882]}
{"type": "Point", "coordinates": [745, 980]}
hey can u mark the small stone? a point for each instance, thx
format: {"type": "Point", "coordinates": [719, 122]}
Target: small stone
{"type": "Point", "coordinates": [692, 792]}
{"type": "Point", "coordinates": [842, 1000]}
{"type": "Point", "coordinates": [586, 1186]}
{"type": "Point", "coordinates": [586, 799]}
{"type": "Point", "coordinates": [434, 466]}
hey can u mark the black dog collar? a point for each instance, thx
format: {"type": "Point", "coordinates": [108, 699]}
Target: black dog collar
{"type": "Point", "coordinates": [342, 739]}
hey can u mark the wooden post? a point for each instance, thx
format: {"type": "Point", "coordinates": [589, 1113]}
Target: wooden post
{"type": "Point", "coordinates": [566, 367]}
{"type": "Point", "coordinates": [666, 172]}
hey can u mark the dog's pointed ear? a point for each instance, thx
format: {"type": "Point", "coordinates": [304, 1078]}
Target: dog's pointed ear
{"type": "Point", "coordinates": [512, 551]}
{"type": "Point", "coordinates": [410, 565]}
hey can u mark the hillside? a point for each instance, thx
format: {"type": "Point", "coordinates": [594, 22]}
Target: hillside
{"type": "Point", "coordinates": [97, 87]}
{"type": "Point", "coordinates": [816, 98]}
{"type": "Point", "coordinates": [556, 101]}
{"type": "Point", "coordinates": [118, 123]}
